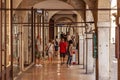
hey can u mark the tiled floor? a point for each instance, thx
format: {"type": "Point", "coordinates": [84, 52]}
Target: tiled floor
{"type": "Point", "coordinates": [55, 71]}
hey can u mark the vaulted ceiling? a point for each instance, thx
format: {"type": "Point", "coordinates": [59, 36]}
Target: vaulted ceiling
{"type": "Point", "coordinates": [75, 4]}
{"type": "Point", "coordinates": [29, 3]}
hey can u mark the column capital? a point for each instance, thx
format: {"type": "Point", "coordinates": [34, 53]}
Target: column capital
{"type": "Point", "coordinates": [89, 36]}
{"type": "Point", "coordinates": [81, 37]}
{"type": "Point", "coordinates": [104, 24]}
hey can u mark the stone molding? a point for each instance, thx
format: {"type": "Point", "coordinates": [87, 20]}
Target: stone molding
{"type": "Point", "coordinates": [89, 36]}
{"type": "Point", "coordinates": [104, 24]}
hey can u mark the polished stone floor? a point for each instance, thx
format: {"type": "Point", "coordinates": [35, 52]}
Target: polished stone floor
{"type": "Point", "coordinates": [56, 71]}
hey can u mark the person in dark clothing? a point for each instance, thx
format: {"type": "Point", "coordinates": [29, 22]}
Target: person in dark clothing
{"type": "Point", "coordinates": [56, 45]}
{"type": "Point", "coordinates": [63, 47]}
{"type": "Point", "coordinates": [61, 35]}
{"type": "Point", "coordinates": [69, 52]}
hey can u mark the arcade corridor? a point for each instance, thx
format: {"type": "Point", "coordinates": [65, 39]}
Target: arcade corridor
{"type": "Point", "coordinates": [93, 26]}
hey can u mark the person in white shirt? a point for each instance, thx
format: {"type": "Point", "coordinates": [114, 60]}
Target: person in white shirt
{"type": "Point", "coordinates": [68, 37]}
{"type": "Point", "coordinates": [50, 48]}
{"type": "Point", "coordinates": [38, 54]}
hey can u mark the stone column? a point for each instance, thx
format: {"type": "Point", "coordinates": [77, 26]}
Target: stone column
{"type": "Point", "coordinates": [81, 49]}
{"type": "Point", "coordinates": [84, 52]}
{"type": "Point", "coordinates": [103, 50]}
{"type": "Point", "coordinates": [103, 26]}
{"type": "Point", "coordinates": [26, 59]}
{"type": "Point", "coordinates": [89, 53]}
{"type": "Point", "coordinates": [89, 41]}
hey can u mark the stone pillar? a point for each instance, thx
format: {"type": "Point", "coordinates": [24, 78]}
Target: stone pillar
{"type": "Point", "coordinates": [26, 59]}
{"type": "Point", "coordinates": [89, 53]}
{"type": "Point", "coordinates": [89, 41]}
{"type": "Point", "coordinates": [103, 50]}
{"type": "Point", "coordinates": [81, 49]}
{"type": "Point", "coordinates": [103, 27]}
{"type": "Point", "coordinates": [84, 52]}
{"type": "Point", "coordinates": [113, 63]}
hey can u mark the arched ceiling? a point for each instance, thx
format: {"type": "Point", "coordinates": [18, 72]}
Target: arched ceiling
{"type": "Point", "coordinates": [53, 4]}
{"type": "Point", "coordinates": [53, 13]}
{"type": "Point", "coordinates": [72, 4]}
{"type": "Point", "coordinates": [91, 3]}
{"type": "Point", "coordinates": [64, 19]}
{"type": "Point", "coordinates": [16, 3]}
{"type": "Point", "coordinates": [66, 12]}
{"type": "Point", "coordinates": [29, 3]}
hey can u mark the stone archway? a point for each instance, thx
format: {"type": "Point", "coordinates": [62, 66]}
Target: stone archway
{"type": "Point", "coordinates": [60, 25]}
{"type": "Point", "coordinates": [56, 4]}
{"type": "Point", "coordinates": [63, 26]}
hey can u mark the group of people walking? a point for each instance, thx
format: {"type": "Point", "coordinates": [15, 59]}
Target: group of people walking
{"type": "Point", "coordinates": [55, 47]}
{"type": "Point", "coordinates": [66, 48]}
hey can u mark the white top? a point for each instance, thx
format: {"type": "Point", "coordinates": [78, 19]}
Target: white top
{"type": "Point", "coordinates": [39, 45]}
{"type": "Point", "coordinates": [57, 40]}
{"type": "Point", "coordinates": [68, 37]}
{"type": "Point", "coordinates": [50, 47]}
